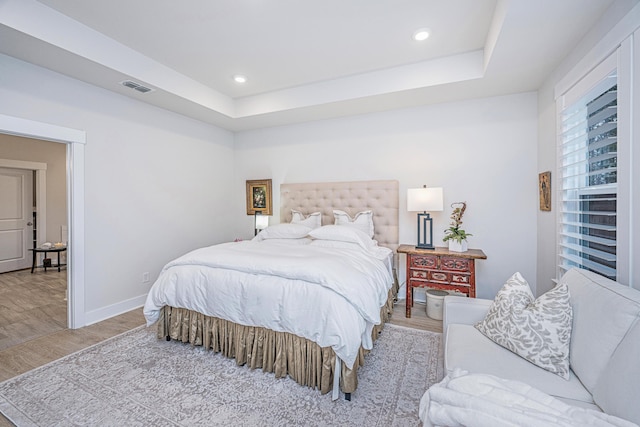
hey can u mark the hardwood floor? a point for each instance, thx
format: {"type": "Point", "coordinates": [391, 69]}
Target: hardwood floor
{"type": "Point", "coordinates": [418, 320]}
{"type": "Point", "coordinates": [31, 305]}
{"type": "Point", "coordinates": [38, 341]}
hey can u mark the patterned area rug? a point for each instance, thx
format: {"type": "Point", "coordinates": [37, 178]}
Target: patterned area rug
{"type": "Point", "coordinates": [137, 380]}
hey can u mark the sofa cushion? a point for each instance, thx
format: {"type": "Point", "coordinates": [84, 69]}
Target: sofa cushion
{"type": "Point", "coordinates": [603, 312]}
{"type": "Point", "coordinates": [618, 388]}
{"type": "Point", "coordinates": [468, 349]}
{"type": "Point", "coordinates": [538, 330]}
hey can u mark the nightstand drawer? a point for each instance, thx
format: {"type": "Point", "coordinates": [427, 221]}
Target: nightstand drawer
{"type": "Point", "coordinates": [424, 261]}
{"type": "Point", "coordinates": [455, 264]}
{"type": "Point", "coordinates": [419, 274]}
{"type": "Point", "coordinates": [441, 277]}
{"type": "Point", "coordinates": [432, 276]}
{"type": "Point", "coordinates": [463, 279]}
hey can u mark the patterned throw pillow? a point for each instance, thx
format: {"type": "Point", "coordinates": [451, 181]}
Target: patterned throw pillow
{"type": "Point", "coordinates": [539, 330]}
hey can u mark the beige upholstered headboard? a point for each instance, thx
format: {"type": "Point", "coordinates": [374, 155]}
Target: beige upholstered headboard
{"type": "Point", "coordinates": [381, 197]}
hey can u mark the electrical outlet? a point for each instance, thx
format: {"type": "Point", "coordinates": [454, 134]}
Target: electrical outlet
{"type": "Point", "coordinates": [145, 277]}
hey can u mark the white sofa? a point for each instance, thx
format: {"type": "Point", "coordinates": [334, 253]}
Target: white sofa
{"type": "Point", "coordinates": [604, 353]}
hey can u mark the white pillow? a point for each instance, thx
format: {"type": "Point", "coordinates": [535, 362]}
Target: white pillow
{"type": "Point", "coordinates": [283, 231]}
{"type": "Point", "coordinates": [363, 221]}
{"type": "Point", "coordinates": [539, 330]}
{"type": "Point", "coordinates": [343, 234]}
{"type": "Point", "coordinates": [313, 220]}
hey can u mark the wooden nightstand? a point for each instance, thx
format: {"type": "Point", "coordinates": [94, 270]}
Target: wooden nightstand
{"type": "Point", "coordinates": [440, 269]}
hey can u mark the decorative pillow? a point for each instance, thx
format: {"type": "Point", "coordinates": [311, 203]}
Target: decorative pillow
{"type": "Point", "coordinates": [363, 221]}
{"type": "Point", "coordinates": [313, 220]}
{"type": "Point", "coordinates": [539, 330]}
{"type": "Point", "coordinates": [283, 231]}
{"type": "Point", "coordinates": [343, 234]}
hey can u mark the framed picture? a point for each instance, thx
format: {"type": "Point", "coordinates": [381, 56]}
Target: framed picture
{"type": "Point", "coordinates": [544, 186]}
{"type": "Point", "coordinates": [259, 197]}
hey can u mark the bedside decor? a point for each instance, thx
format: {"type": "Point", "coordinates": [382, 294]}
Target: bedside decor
{"type": "Point", "coordinates": [423, 200]}
{"type": "Point", "coordinates": [440, 268]}
{"type": "Point", "coordinates": [259, 197]}
{"type": "Point", "coordinates": [455, 235]}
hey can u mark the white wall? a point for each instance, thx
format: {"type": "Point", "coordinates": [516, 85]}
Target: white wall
{"type": "Point", "coordinates": [481, 151]}
{"type": "Point", "coordinates": [156, 183]}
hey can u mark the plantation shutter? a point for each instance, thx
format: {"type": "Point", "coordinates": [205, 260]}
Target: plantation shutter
{"type": "Point", "coordinates": [588, 180]}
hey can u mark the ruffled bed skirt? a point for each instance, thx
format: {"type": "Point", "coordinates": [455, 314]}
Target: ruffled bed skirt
{"type": "Point", "coordinates": [279, 352]}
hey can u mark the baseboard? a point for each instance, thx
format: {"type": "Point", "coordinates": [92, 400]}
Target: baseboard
{"type": "Point", "coordinates": [110, 311]}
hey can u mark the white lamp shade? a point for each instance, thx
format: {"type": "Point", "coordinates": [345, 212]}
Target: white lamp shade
{"type": "Point", "coordinates": [262, 222]}
{"type": "Point", "coordinates": [425, 199]}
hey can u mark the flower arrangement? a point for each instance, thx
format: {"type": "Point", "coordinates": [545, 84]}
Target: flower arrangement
{"type": "Point", "coordinates": [454, 232]}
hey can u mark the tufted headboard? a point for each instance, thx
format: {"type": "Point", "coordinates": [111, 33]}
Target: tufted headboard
{"type": "Point", "coordinates": [381, 197]}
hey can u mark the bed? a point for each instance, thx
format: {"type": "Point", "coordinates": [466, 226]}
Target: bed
{"type": "Point", "coordinates": [298, 303]}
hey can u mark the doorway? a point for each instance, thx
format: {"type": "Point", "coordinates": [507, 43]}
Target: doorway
{"type": "Point", "coordinates": [75, 141]}
{"type": "Point", "coordinates": [34, 299]}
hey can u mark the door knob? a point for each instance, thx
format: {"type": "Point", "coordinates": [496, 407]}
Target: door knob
{"type": "Point", "coordinates": [29, 223]}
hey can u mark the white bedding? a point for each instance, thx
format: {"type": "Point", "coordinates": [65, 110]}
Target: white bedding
{"type": "Point", "coordinates": [480, 400]}
{"type": "Point", "coordinates": [330, 295]}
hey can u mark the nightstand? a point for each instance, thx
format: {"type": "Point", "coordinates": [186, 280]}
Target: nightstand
{"type": "Point", "coordinates": [440, 268]}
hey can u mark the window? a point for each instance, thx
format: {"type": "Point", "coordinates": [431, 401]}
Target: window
{"type": "Point", "coordinates": [588, 168]}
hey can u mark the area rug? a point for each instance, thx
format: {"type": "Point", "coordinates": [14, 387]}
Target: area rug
{"type": "Point", "coordinates": [135, 379]}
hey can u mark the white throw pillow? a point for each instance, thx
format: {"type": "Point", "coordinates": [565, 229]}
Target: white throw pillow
{"type": "Point", "coordinates": [539, 330]}
{"type": "Point", "coordinates": [343, 234]}
{"type": "Point", "coordinates": [313, 220]}
{"type": "Point", "coordinates": [283, 231]}
{"type": "Point", "coordinates": [363, 221]}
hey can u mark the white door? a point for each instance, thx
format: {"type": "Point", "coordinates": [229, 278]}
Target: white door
{"type": "Point", "coordinates": [16, 216]}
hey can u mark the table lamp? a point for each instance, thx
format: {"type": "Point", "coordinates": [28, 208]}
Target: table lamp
{"type": "Point", "coordinates": [423, 200]}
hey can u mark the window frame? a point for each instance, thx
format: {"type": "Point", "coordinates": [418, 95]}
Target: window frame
{"type": "Point", "coordinates": [620, 60]}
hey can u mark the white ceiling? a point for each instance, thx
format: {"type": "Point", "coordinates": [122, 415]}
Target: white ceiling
{"type": "Point", "coordinates": [303, 60]}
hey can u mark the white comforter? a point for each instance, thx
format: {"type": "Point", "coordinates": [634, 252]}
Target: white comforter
{"type": "Point", "coordinates": [479, 400]}
{"type": "Point", "coordinates": [331, 296]}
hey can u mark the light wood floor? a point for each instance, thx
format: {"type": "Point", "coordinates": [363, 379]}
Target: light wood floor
{"type": "Point", "coordinates": [31, 305]}
{"type": "Point", "coordinates": [418, 320]}
{"type": "Point", "coordinates": [34, 345]}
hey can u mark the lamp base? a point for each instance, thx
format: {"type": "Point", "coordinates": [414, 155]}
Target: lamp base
{"type": "Point", "coordinates": [425, 231]}
{"type": "Point", "coordinates": [424, 246]}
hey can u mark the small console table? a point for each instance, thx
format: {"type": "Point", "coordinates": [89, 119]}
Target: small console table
{"type": "Point", "coordinates": [46, 251]}
{"type": "Point", "coordinates": [440, 268]}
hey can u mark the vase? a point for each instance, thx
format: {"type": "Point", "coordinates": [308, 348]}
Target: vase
{"type": "Point", "coordinates": [455, 246]}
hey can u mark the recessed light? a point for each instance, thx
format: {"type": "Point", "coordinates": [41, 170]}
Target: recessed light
{"type": "Point", "coordinates": [239, 78]}
{"type": "Point", "coordinates": [421, 34]}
